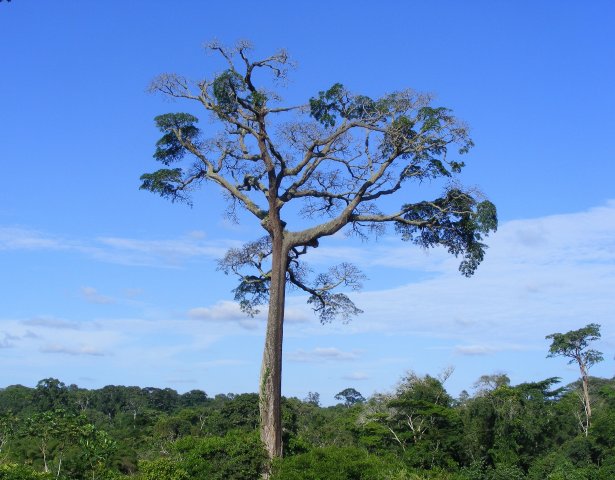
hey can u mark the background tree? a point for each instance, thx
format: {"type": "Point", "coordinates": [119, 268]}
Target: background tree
{"type": "Point", "coordinates": [574, 345]}
{"type": "Point", "coordinates": [313, 398]}
{"type": "Point", "coordinates": [350, 397]}
{"type": "Point", "coordinates": [333, 160]}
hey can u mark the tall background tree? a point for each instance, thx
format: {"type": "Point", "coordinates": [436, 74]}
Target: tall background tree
{"type": "Point", "coordinates": [574, 345]}
{"type": "Point", "coordinates": [309, 171]}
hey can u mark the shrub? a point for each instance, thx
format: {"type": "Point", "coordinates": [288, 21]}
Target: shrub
{"type": "Point", "coordinates": [236, 456]}
{"type": "Point", "coordinates": [161, 469]}
{"type": "Point", "coordinates": [22, 472]}
{"type": "Point", "coordinates": [336, 463]}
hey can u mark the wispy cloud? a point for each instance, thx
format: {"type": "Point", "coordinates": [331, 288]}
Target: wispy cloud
{"type": "Point", "coordinates": [68, 350]}
{"type": "Point", "coordinates": [540, 276]}
{"type": "Point", "coordinates": [119, 250]}
{"type": "Point", "coordinates": [474, 350]}
{"type": "Point", "coordinates": [356, 376]}
{"type": "Point", "coordinates": [483, 349]}
{"type": "Point", "coordinates": [17, 238]}
{"type": "Point", "coordinates": [226, 312]}
{"type": "Point", "coordinates": [158, 252]}
{"type": "Point", "coordinates": [321, 354]}
{"type": "Point", "coordinates": [556, 271]}
{"type": "Point", "coordinates": [221, 311]}
{"type": "Point", "coordinates": [91, 295]}
{"type": "Point", "coordinates": [229, 312]}
{"type": "Point", "coordinates": [52, 323]}
{"type": "Point", "coordinates": [7, 340]}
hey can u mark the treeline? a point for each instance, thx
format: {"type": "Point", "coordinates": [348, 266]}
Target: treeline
{"type": "Point", "coordinates": [418, 431]}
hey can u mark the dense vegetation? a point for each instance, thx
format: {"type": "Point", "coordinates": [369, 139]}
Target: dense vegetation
{"type": "Point", "coordinates": [418, 431]}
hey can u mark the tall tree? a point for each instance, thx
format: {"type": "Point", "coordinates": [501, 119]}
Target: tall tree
{"type": "Point", "coordinates": [350, 397]}
{"type": "Point", "coordinates": [333, 160]}
{"type": "Point", "coordinates": [574, 345]}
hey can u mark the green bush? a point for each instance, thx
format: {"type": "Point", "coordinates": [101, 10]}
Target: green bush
{"type": "Point", "coordinates": [557, 466]}
{"type": "Point", "coordinates": [22, 472]}
{"type": "Point", "coordinates": [478, 471]}
{"type": "Point", "coordinates": [161, 469]}
{"type": "Point", "coordinates": [506, 472]}
{"type": "Point", "coordinates": [607, 469]}
{"type": "Point", "coordinates": [337, 463]}
{"type": "Point", "coordinates": [236, 456]}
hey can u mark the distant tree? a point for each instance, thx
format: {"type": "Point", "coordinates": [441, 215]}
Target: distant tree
{"type": "Point", "coordinates": [509, 425]}
{"type": "Point", "coordinates": [241, 412]}
{"type": "Point", "coordinates": [488, 383]}
{"type": "Point", "coordinates": [419, 417]}
{"type": "Point", "coordinates": [134, 402]}
{"type": "Point", "coordinates": [16, 398]}
{"type": "Point", "coordinates": [574, 345]}
{"type": "Point", "coordinates": [96, 448]}
{"type": "Point", "coordinates": [194, 398]}
{"type": "Point", "coordinates": [51, 394]}
{"type": "Point", "coordinates": [350, 397]}
{"type": "Point", "coordinates": [313, 398]}
{"type": "Point", "coordinates": [8, 423]}
{"type": "Point", "coordinates": [52, 430]}
{"type": "Point", "coordinates": [332, 161]}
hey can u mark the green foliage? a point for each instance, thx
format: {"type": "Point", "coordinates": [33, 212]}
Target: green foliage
{"type": "Point", "coordinates": [338, 101]}
{"type": "Point", "coordinates": [51, 394]}
{"type": "Point", "coordinates": [242, 412]}
{"type": "Point", "coordinates": [457, 221]}
{"type": "Point", "coordinates": [226, 89]}
{"type": "Point", "coordinates": [164, 182]}
{"type": "Point", "coordinates": [333, 463]}
{"type": "Point", "coordinates": [21, 472]}
{"type": "Point", "coordinates": [16, 398]}
{"type": "Point", "coordinates": [236, 456]}
{"type": "Point", "coordinates": [177, 128]}
{"type": "Point", "coordinates": [96, 447]}
{"type": "Point", "coordinates": [556, 466]}
{"type": "Point", "coordinates": [574, 345]}
{"type": "Point", "coordinates": [526, 431]}
{"type": "Point", "coordinates": [603, 425]}
{"type": "Point", "coordinates": [162, 469]}
{"type": "Point", "coordinates": [350, 397]}
{"type": "Point", "coordinates": [328, 103]}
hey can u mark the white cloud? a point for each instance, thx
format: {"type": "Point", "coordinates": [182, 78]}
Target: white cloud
{"type": "Point", "coordinates": [18, 238]}
{"type": "Point", "coordinates": [159, 252]}
{"type": "Point", "coordinates": [474, 350]}
{"type": "Point", "coordinates": [226, 311]}
{"type": "Point", "coordinates": [51, 322]}
{"type": "Point", "coordinates": [68, 350]}
{"type": "Point", "coordinates": [321, 354]}
{"type": "Point", "coordinates": [540, 275]}
{"type": "Point", "coordinates": [132, 292]}
{"type": "Point", "coordinates": [6, 340]}
{"type": "Point", "coordinates": [91, 295]}
{"type": "Point", "coordinates": [482, 349]}
{"type": "Point", "coordinates": [356, 376]}
{"type": "Point", "coordinates": [220, 312]}
{"type": "Point", "coordinates": [119, 250]}
{"type": "Point", "coordinates": [30, 334]}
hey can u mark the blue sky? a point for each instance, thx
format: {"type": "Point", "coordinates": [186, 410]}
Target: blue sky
{"type": "Point", "coordinates": [101, 283]}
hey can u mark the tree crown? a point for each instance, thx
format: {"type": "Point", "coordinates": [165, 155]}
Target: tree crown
{"type": "Point", "coordinates": [574, 345]}
{"type": "Point", "coordinates": [334, 159]}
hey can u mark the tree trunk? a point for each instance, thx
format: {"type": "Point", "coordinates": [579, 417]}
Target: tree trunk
{"type": "Point", "coordinates": [586, 400]}
{"type": "Point", "coordinates": [270, 391]}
